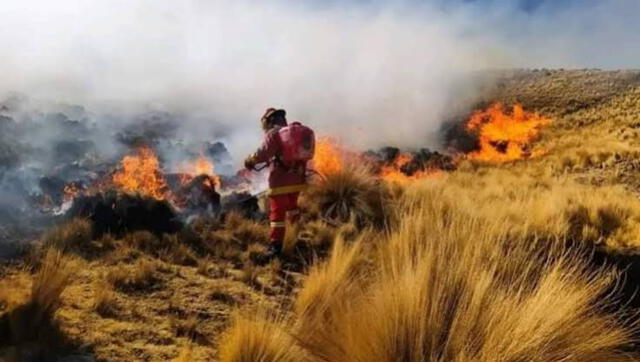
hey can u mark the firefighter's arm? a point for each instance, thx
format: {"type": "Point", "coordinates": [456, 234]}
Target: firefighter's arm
{"type": "Point", "coordinates": [265, 152]}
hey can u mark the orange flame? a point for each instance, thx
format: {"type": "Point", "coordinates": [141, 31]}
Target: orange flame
{"type": "Point", "coordinates": [202, 166]}
{"type": "Point", "coordinates": [141, 173]}
{"type": "Point", "coordinates": [70, 191]}
{"type": "Point", "coordinates": [505, 137]}
{"type": "Point", "coordinates": [393, 172]}
{"type": "Point", "coordinates": [328, 158]}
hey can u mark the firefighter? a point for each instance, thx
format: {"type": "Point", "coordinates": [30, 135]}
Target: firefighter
{"type": "Point", "coordinates": [286, 149]}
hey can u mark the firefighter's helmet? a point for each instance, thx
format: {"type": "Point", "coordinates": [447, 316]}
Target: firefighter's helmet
{"type": "Point", "coordinates": [273, 117]}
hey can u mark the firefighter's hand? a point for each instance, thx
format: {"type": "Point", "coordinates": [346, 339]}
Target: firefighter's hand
{"type": "Point", "coordinates": [249, 163]}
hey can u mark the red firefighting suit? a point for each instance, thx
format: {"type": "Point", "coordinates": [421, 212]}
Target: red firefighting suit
{"type": "Point", "coordinates": [285, 184]}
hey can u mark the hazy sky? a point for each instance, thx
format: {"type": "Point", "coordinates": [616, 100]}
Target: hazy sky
{"type": "Point", "coordinates": [377, 72]}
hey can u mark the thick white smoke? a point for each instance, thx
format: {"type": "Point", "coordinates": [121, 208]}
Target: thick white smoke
{"type": "Point", "coordinates": [371, 73]}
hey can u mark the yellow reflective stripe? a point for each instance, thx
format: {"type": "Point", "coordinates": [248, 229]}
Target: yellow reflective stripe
{"type": "Point", "coordinates": [286, 189]}
{"type": "Point", "coordinates": [278, 224]}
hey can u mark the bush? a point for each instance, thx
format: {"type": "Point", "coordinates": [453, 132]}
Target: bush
{"type": "Point", "coordinates": [352, 194]}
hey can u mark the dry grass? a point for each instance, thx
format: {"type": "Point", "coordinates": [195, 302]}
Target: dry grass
{"type": "Point", "coordinates": [348, 195]}
{"type": "Point", "coordinates": [186, 354]}
{"type": "Point", "coordinates": [595, 133]}
{"type": "Point", "coordinates": [144, 241]}
{"type": "Point", "coordinates": [540, 206]}
{"type": "Point", "coordinates": [140, 276]}
{"type": "Point", "coordinates": [318, 234]}
{"type": "Point", "coordinates": [190, 328]}
{"type": "Point", "coordinates": [449, 286]}
{"type": "Point", "coordinates": [245, 231]}
{"type": "Point", "coordinates": [230, 239]}
{"type": "Point", "coordinates": [258, 340]}
{"type": "Point", "coordinates": [180, 254]}
{"type": "Point", "coordinates": [204, 266]}
{"type": "Point", "coordinates": [76, 235]}
{"type": "Point", "coordinates": [105, 302]}
{"type": "Point", "coordinates": [561, 93]}
{"type": "Point", "coordinates": [32, 319]}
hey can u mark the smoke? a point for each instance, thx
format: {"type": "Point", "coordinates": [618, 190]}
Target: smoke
{"type": "Point", "coordinates": [371, 72]}
{"type": "Point", "coordinates": [92, 77]}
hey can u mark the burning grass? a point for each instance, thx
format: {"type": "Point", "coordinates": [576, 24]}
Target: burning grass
{"type": "Point", "coordinates": [329, 157]}
{"type": "Point", "coordinates": [141, 174]}
{"type": "Point", "coordinates": [504, 137]}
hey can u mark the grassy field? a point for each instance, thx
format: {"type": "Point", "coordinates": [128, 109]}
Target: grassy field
{"type": "Point", "coordinates": [491, 262]}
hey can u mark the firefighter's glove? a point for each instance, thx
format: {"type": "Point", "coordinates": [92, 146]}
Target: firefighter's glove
{"type": "Point", "coordinates": [250, 163]}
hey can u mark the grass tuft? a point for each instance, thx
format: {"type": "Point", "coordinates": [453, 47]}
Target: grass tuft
{"type": "Point", "coordinates": [352, 194]}
{"type": "Point", "coordinates": [105, 302]}
{"type": "Point", "coordinates": [33, 319]}
{"type": "Point", "coordinates": [75, 235]}
{"type": "Point", "coordinates": [140, 276]}
{"type": "Point", "coordinates": [258, 340]}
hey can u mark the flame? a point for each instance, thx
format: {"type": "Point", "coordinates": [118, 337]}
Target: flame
{"type": "Point", "coordinates": [393, 172]}
{"type": "Point", "coordinates": [328, 158]}
{"type": "Point", "coordinates": [201, 166]}
{"type": "Point", "coordinates": [141, 173]}
{"type": "Point", "coordinates": [505, 137]}
{"type": "Point", "coordinates": [70, 191]}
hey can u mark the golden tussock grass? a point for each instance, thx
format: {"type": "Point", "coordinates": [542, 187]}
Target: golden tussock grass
{"type": "Point", "coordinates": [449, 285]}
{"type": "Point", "coordinates": [318, 234]}
{"type": "Point", "coordinates": [139, 276]}
{"type": "Point", "coordinates": [245, 231]}
{"type": "Point", "coordinates": [144, 240]}
{"type": "Point", "coordinates": [180, 254]}
{"type": "Point", "coordinates": [348, 195]}
{"type": "Point", "coordinates": [190, 328]}
{"type": "Point", "coordinates": [540, 206]}
{"type": "Point", "coordinates": [204, 266]}
{"type": "Point", "coordinates": [186, 354]}
{"type": "Point", "coordinates": [230, 238]}
{"type": "Point", "coordinates": [33, 319]}
{"type": "Point", "coordinates": [104, 299]}
{"type": "Point", "coordinates": [259, 340]}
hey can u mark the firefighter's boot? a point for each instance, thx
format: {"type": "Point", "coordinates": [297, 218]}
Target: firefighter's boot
{"type": "Point", "coordinates": [274, 252]}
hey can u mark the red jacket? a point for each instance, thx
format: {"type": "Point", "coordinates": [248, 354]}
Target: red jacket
{"type": "Point", "coordinates": [283, 179]}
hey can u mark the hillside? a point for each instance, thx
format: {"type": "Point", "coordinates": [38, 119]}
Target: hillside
{"type": "Point", "coordinates": [506, 257]}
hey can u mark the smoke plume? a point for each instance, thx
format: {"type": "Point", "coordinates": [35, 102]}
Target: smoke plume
{"type": "Point", "coordinates": [371, 72]}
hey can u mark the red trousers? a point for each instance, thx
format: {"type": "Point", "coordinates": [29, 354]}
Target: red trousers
{"type": "Point", "coordinates": [281, 206]}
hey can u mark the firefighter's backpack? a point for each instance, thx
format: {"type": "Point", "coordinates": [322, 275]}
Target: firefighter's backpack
{"type": "Point", "coordinates": [298, 143]}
